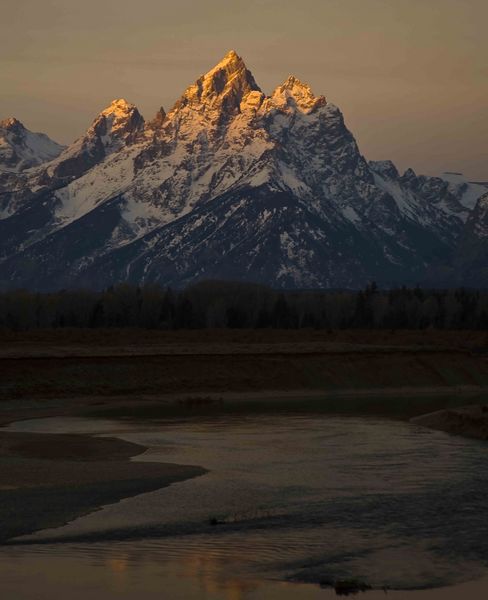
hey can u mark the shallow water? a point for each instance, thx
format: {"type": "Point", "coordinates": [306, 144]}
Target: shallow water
{"type": "Point", "coordinates": [298, 498]}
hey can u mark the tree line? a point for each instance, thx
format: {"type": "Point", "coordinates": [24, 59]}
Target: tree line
{"type": "Point", "coordinates": [214, 304]}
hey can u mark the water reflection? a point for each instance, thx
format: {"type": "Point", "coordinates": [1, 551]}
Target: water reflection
{"type": "Point", "coordinates": [301, 498]}
{"type": "Point", "coordinates": [72, 574]}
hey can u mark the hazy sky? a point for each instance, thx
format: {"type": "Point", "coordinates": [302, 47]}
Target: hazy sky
{"type": "Point", "coordinates": [411, 76]}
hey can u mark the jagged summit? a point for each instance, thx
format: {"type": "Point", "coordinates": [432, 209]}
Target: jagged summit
{"type": "Point", "coordinates": [22, 149]}
{"type": "Point", "coordinates": [293, 83]}
{"type": "Point", "coordinates": [231, 56]}
{"type": "Point", "coordinates": [117, 126]}
{"type": "Point", "coordinates": [119, 123]}
{"type": "Point", "coordinates": [222, 88]}
{"type": "Point", "coordinates": [11, 123]}
{"type": "Point", "coordinates": [294, 92]}
{"type": "Point", "coordinates": [384, 168]}
{"type": "Point", "coordinates": [232, 64]}
{"type": "Point", "coordinates": [119, 107]}
{"type": "Point", "coordinates": [158, 121]}
{"type": "Point", "coordinates": [119, 114]}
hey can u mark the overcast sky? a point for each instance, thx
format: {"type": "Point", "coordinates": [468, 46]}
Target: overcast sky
{"type": "Point", "coordinates": [411, 76]}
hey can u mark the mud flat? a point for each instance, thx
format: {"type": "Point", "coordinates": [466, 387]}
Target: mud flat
{"type": "Point", "coordinates": [47, 480]}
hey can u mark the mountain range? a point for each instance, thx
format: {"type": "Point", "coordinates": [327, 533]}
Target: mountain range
{"type": "Point", "coordinates": [231, 183]}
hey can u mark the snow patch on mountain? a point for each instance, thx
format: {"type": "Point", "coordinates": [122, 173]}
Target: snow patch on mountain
{"type": "Point", "coordinates": [110, 178]}
{"type": "Point", "coordinates": [468, 192]}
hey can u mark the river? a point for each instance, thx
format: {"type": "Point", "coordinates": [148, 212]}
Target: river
{"type": "Point", "coordinates": [289, 501]}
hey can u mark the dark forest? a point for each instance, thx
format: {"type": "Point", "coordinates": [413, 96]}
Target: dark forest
{"type": "Point", "coordinates": [215, 304]}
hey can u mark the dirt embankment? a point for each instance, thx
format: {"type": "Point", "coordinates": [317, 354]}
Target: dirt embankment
{"type": "Point", "coordinates": [67, 364]}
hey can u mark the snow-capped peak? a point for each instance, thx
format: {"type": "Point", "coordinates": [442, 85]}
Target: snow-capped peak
{"type": "Point", "coordinates": [117, 125]}
{"type": "Point", "coordinates": [11, 123]}
{"type": "Point", "coordinates": [297, 94]}
{"type": "Point", "coordinates": [118, 107]}
{"type": "Point", "coordinates": [232, 64]}
{"type": "Point", "coordinates": [21, 149]}
{"type": "Point", "coordinates": [231, 56]}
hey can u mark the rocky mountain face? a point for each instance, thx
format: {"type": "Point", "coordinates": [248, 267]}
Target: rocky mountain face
{"type": "Point", "coordinates": [470, 262]}
{"type": "Point", "coordinates": [230, 183]}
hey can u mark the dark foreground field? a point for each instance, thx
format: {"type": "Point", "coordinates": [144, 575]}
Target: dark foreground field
{"type": "Point", "coordinates": [56, 364]}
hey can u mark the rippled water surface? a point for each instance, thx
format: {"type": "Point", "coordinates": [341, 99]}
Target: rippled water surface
{"type": "Point", "coordinates": [301, 498]}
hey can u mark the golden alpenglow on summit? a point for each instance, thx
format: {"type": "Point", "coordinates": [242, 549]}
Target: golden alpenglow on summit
{"type": "Point", "coordinates": [244, 306]}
